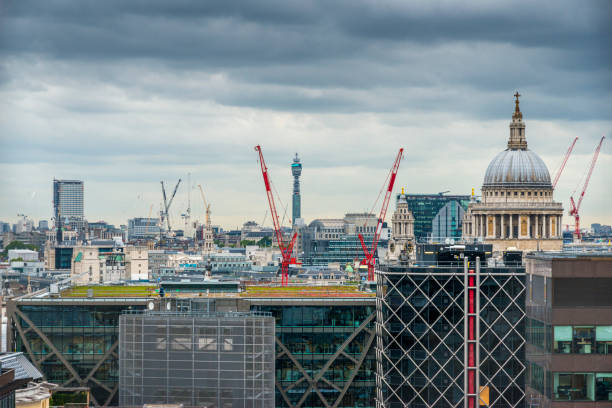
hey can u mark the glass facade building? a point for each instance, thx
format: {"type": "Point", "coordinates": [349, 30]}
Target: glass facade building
{"type": "Point", "coordinates": [437, 215]}
{"type": "Point", "coordinates": [324, 352]}
{"type": "Point", "coordinates": [569, 329]}
{"type": "Point", "coordinates": [447, 336]}
{"type": "Point", "coordinates": [74, 342]}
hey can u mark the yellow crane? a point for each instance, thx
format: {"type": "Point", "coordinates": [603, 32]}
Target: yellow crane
{"type": "Point", "coordinates": [206, 206]}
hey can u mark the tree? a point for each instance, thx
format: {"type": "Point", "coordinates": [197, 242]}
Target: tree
{"type": "Point", "coordinates": [246, 242]}
{"type": "Point", "coordinates": [16, 245]}
{"type": "Point", "coordinates": [265, 242]}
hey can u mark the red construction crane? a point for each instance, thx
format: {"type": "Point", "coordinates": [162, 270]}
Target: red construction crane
{"type": "Point", "coordinates": [369, 255]}
{"type": "Point", "coordinates": [575, 208]}
{"type": "Point", "coordinates": [285, 249]}
{"type": "Point", "coordinates": [567, 155]}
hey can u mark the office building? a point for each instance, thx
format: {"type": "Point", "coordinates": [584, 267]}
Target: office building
{"type": "Point", "coordinates": [324, 337]}
{"type": "Point", "coordinates": [517, 208]}
{"type": "Point", "coordinates": [449, 332]}
{"type": "Point", "coordinates": [43, 225]}
{"type": "Point", "coordinates": [296, 171]}
{"type": "Point", "coordinates": [327, 241]}
{"type": "Point", "coordinates": [197, 359]}
{"type": "Point", "coordinates": [68, 207]}
{"type": "Point", "coordinates": [143, 228]}
{"type": "Point", "coordinates": [569, 329]}
{"type": "Point", "coordinates": [436, 216]}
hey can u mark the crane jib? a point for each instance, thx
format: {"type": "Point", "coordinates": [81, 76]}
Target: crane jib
{"type": "Point", "coordinates": [392, 181]}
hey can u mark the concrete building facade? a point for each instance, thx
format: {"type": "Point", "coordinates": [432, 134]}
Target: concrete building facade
{"type": "Point", "coordinates": [569, 329]}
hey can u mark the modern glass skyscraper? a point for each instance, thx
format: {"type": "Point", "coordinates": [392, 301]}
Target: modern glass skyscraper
{"type": "Point", "coordinates": [448, 334]}
{"type": "Point", "coordinates": [68, 202]}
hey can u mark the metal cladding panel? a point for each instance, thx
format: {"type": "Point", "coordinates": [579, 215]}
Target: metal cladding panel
{"type": "Point", "coordinates": [224, 359]}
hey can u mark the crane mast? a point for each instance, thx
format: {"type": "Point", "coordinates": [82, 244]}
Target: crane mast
{"type": "Point", "coordinates": [575, 208]}
{"type": "Point", "coordinates": [167, 204]}
{"type": "Point", "coordinates": [369, 255]}
{"type": "Point", "coordinates": [567, 155]}
{"type": "Point", "coordinates": [285, 249]}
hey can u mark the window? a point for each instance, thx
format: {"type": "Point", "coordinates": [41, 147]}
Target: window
{"type": "Point", "coordinates": [563, 339]}
{"type": "Point", "coordinates": [584, 339]}
{"type": "Point", "coordinates": [603, 336]}
{"type": "Point", "coordinates": [603, 386]}
{"type": "Point", "coordinates": [574, 386]}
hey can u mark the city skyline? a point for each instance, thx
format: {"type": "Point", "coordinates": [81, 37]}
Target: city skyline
{"type": "Point", "coordinates": [343, 88]}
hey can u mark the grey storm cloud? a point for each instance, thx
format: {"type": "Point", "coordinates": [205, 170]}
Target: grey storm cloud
{"type": "Point", "coordinates": [130, 90]}
{"type": "Point", "coordinates": [334, 45]}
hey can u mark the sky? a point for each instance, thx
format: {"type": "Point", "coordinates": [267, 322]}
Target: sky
{"type": "Point", "coordinates": [124, 94]}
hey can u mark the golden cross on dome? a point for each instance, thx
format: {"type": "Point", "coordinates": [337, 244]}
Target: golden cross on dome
{"type": "Point", "coordinates": [516, 95]}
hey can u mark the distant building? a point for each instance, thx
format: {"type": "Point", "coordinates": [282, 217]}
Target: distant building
{"type": "Point", "coordinates": [602, 230]}
{"type": "Point", "coordinates": [105, 262]}
{"type": "Point", "coordinates": [24, 254]}
{"type": "Point", "coordinates": [569, 329]}
{"type": "Point", "coordinates": [102, 230]}
{"type": "Point", "coordinates": [5, 227]}
{"type": "Point", "coordinates": [437, 216]}
{"type": "Point", "coordinates": [327, 241]}
{"type": "Point", "coordinates": [402, 229]}
{"type": "Point", "coordinates": [24, 225]}
{"type": "Point", "coordinates": [43, 225]}
{"type": "Point", "coordinates": [136, 263]}
{"type": "Point", "coordinates": [143, 228]}
{"type": "Point", "coordinates": [68, 207]}
{"type": "Point", "coordinates": [517, 208]}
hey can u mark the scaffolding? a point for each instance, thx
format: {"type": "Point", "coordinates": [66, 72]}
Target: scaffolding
{"type": "Point", "coordinates": [197, 359]}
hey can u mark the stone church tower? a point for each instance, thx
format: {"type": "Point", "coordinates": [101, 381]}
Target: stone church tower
{"type": "Point", "coordinates": [402, 224]}
{"type": "Point", "coordinates": [517, 207]}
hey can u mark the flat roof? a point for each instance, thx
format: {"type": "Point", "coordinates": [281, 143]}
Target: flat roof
{"type": "Point", "coordinates": [571, 254]}
{"type": "Point", "coordinates": [305, 291]}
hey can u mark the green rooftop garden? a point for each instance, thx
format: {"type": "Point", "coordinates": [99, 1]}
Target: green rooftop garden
{"type": "Point", "coordinates": [112, 291]}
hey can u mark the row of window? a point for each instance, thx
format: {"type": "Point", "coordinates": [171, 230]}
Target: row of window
{"type": "Point", "coordinates": [509, 193]}
{"type": "Point", "coordinates": [582, 386]}
{"type": "Point", "coordinates": [570, 339]}
{"type": "Point", "coordinates": [561, 386]}
{"type": "Point", "coordinates": [583, 339]}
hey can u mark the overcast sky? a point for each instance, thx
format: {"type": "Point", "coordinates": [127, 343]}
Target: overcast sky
{"type": "Point", "coordinates": [123, 94]}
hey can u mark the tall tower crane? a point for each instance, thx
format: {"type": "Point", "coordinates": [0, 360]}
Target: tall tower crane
{"type": "Point", "coordinates": [207, 231]}
{"type": "Point", "coordinates": [567, 155]}
{"type": "Point", "coordinates": [369, 255]}
{"type": "Point", "coordinates": [206, 205]}
{"type": "Point", "coordinates": [165, 213]}
{"type": "Point", "coordinates": [285, 249]}
{"type": "Point", "coordinates": [575, 208]}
